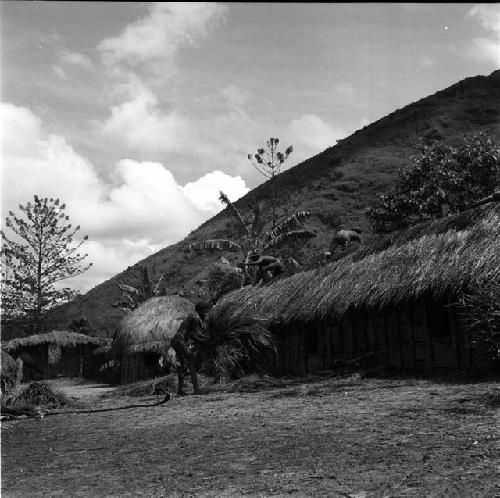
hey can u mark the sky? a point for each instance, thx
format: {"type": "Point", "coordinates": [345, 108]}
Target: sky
{"type": "Point", "coordinates": [137, 114]}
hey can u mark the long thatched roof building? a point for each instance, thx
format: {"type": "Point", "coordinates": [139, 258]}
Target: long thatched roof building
{"type": "Point", "coordinates": [61, 338]}
{"type": "Point", "coordinates": [421, 270]}
{"type": "Point", "coordinates": [144, 335]}
{"type": "Point", "coordinates": [54, 353]}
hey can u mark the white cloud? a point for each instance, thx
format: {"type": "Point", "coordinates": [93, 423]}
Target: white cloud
{"type": "Point", "coordinates": [142, 210]}
{"type": "Point", "coordinates": [59, 71]}
{"type": "Point", "coordinates": [204, 193]}
{"type": "Point", "coordinates": [487, 48]}
{"type": "Point", "coordinates": [310, 135]}
{"type": "Point", "coordinates": [143, 126]}
{"type": "Point", "coordinates": [162, 32]}
{"type": "Point", "coordinates": [75, 59]}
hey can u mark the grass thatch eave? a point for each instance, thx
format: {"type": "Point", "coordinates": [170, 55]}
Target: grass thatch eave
{"type": "Point", "coordinates": [62, 338]}
{"type": "Point", "coordinates": [150, 327]}
{"type": "Point", "coordinates": [442, 257]}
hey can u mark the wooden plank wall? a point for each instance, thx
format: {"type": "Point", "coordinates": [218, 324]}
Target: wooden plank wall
{"type": "Point", "coordinates": [399, 337]}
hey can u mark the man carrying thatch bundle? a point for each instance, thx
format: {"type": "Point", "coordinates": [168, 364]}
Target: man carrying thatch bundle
{"type": "Point", "coordinates": [12, 372]}
{"type": "Point", "coordinates": [267, 267]}
{"type": "Point", "coordinates": [171, 321]}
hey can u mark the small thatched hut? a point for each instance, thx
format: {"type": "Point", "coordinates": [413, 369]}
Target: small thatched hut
{"type": "Point", "coordinates": [389, 300]}
{"type": "Point", "coordinates": [56, 353]}
{"type": "Point", "coordinates": [144, 335]}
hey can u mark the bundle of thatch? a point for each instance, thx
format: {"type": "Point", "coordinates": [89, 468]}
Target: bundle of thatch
{"type": "Point", "coordinates": [37, 394]}
{"type": "Point", "coordinates": [8, 371]}
{"type": "Point", "coordinates": [60, 338]}
{"type": "Point", "coordinates": [233, 342]}
{"type": "Point", "coordinates": [436, 258]}
{"type": "Point", "coordinates": [153, 324]}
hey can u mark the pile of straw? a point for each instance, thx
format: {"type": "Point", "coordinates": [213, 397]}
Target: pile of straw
{"type": "Point", "coordinates": [37, 394]}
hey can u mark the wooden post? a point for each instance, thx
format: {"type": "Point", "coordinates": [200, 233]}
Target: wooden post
{"type": "Point", "coordinates": [297, 348]}
{"type": "Point", "coordinates": [400, 343]}
{"type": "Point", "coordinates": [429, 357]}
{"type": "Point", "coordinates": [454, 334]}
{"type": "Point", "coordinates": [386, 336]}
{"type": "Point", "coordinates": [412, 335]}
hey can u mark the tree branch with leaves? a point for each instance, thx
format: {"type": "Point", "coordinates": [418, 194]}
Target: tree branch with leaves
{"type": "Point", "coordinates": [42, 250]}
{"type": "Point", "coordinates": [268, 162]}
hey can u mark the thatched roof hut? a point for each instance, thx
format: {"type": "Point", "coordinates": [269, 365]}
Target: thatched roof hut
{"type": "Point", "coordinates": [144, 335]}
{"type": "Point", "coordinates": [434, 259]}
{"type": "Point", "coordinates": [438, 257]}
{"type": "Point", "coordinates": [61, 338]}
{"type": "Point", "coordinates": [54, 353]}
{"type": "Point", "coordinates": [150, 327]}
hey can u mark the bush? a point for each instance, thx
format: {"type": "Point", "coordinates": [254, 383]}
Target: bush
{"type": "Point", "coordinates": [480, 312]}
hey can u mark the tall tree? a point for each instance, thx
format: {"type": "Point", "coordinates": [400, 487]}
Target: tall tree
{"type": "Point", "coordinates": [42, 251]}
{"type": "Point", "coordinates": [268, 162]}
{"type": "Point", "coordinates": [441, 179]}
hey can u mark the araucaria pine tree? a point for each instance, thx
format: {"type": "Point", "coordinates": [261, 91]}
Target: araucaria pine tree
{"type": "Point", "coordinates": [42, 251]}
{"type": "Point", "coordinates": [268, 162]}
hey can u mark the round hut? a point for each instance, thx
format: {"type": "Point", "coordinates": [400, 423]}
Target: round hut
{"type": "Point", "coordinates": [144, 335]}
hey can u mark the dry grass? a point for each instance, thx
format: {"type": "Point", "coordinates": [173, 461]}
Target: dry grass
{"type": "Point", "coordinates": [445, 259]}
{"type": "Point", "coordinates": [331, 437]}
{"type": "Point", "coordinates": [151, 326]}
{"type": "Point", "coordinates": [37, 394]}
{"type": "Point", "coordinates": [62, 338]}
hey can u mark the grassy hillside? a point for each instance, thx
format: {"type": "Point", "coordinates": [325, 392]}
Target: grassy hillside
{"type": "Point", "coordinates": [336, 186]}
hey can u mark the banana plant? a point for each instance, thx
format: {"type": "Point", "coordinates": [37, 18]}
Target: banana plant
{"type": "Point", "coordinates": [132, 296]}
{"type": "Point", "coordinates": [256, 240]}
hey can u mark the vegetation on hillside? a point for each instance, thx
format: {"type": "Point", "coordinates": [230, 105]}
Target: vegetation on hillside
{"type": "Point", "coordinates": [132, 296]}
{"type": "Point", "coordinates": [442, 179]}
{"type": "Point", "coordinates": [256, 241]}
{"type": "Point", "coordinates": [335, 186]}
{"type": "Point", "coordinates": [268, 162]}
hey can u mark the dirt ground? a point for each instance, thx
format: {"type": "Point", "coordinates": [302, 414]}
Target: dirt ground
{"type": "Point", "coordinates": [334, 437]}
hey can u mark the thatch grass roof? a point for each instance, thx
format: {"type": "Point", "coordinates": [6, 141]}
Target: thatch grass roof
{"type": "Point", "coordinates": [62, 338]}
{"type": "Point", "coordinates": [436, 258]}
{"type": "Point", "coordinates": [150, 327]}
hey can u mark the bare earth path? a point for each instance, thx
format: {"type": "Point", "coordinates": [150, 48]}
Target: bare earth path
{"type": "Point", "coordinates": [337, 437]}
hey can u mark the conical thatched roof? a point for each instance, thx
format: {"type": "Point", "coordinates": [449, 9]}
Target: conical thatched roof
{"type": "Point", "coordinates": [439, 257]}
{"type": "Point", "coordinates": [150, 327]}
{"type": "Point", "coordinates": [60, 337]}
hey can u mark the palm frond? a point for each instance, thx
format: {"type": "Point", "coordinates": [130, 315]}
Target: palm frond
{"type": "Point", "coordinates": [128, 288]}
{"type": "Point", "coordinates": [211, 244]}
{"type": "Point", "coordinates": [233, 340]}
{"type": "Point", "coordinates": [289, 236]}
{"type": "Point", "coordinates": [288, 224]}
{"type": "Point", "coordinates": [225, 200]}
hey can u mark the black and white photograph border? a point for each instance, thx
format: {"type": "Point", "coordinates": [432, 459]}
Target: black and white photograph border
{"type": "Point", "coordinates": [250, 249]}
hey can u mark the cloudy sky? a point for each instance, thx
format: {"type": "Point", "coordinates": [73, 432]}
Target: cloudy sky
{"type": "Point", "coordinates": [136, 114]}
